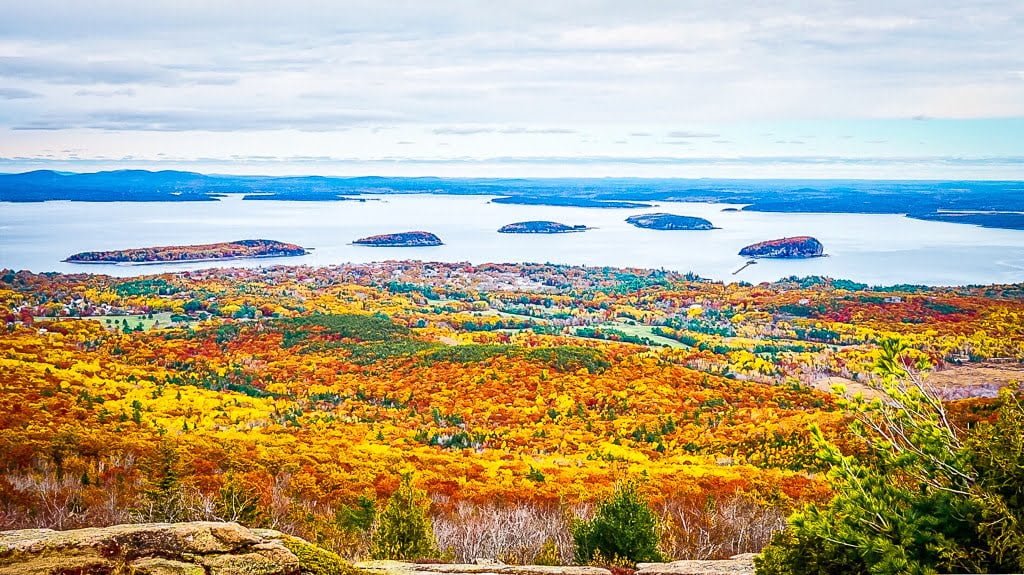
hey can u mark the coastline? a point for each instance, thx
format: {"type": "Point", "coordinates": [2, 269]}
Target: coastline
{"type": "Point", "coordinates": [549, 232]}
{"type": "Point", "coordinates": [187, 261]}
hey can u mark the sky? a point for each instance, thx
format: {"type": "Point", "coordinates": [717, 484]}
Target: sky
{"type": "Point", "coordinates": [869, 89]}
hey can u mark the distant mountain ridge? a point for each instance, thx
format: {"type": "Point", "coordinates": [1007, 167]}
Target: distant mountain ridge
{"type": "Point", "coordinates": [919, 199]}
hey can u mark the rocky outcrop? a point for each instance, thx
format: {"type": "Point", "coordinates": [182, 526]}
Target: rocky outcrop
{"type": "Point", "coordinates": [796, 247]}
{"type": "Point", "coordinates": [480, 567]}
{"type": "Point", "coordinates": [736, 565]}
{"type": "Point", "coordinates": [199, 548]}
{"type": "Point", "coordinates": [669, 222]}
{"type": "Point", "coordinates": [400, 240]}
{"type": "Point", "coordinates": [208, 548]}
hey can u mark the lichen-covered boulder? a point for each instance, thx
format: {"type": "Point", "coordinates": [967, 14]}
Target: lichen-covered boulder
{"type": "Point", "coordinates": [197, 548]}
{"type": "Point", "coordinates": [314, 560]}
{"type": "Point", "coordinates": [736, 565]}
{"type": "Point", "coordinates": [159, 566]}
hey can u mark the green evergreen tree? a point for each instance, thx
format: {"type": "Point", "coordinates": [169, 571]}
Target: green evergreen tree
{"type": "Point", "coordinates": [404, 531]}
{"type": "Point", "coordinates": [137, 412]}
{"type": "Point", "coordinates": [359, 516]}
{"type": "Point", "coordinates": [996, 450]}
{"type": "Point", "coordinates": [164, 500]}
{"type": "Point", "coordinates": [624, 529]}
{"type": "Point", "coordinates": [909, 505]}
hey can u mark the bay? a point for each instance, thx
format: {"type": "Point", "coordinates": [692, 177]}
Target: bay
{"type": "Point", "coordinates": [875, 249]}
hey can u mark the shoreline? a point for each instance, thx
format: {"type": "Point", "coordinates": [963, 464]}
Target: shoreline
{"type": "Point", "coordinates": [185, 261]}
{"type": "Point", "coordinates": [725, 279]}
{"type": "Point", "coordinates": [549, 233]}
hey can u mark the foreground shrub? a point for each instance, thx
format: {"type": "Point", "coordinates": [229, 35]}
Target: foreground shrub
{"type": "Point", "coordinates": [403, 530]}
{"type": "Point", "coordinates": [996, 452]}
{"type": "Point", "coordinates": [919, 500]}
{"type": "Point", "coordinates": [623, 530]}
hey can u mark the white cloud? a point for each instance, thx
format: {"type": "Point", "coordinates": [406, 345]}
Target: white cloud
{"type": "Point", "coordinates": [534, 70]}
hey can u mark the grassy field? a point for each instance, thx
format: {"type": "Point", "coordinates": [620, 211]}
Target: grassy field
{"type": "Point", "coordinates": [134, 322]}
{"type": "Point", "coordinates": [641, 331]}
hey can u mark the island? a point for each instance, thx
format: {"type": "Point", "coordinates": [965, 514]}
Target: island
{"type": "Point", "coordinates": [669, 222]}
{"type": "Point", "coordinates": [541, 227]}
{"type": "Point", "coordinates": [795, 247]}
{"type": "Point", "coordinates": [400, 240]}
{"type": "Point", "coordinates": [191, 253]}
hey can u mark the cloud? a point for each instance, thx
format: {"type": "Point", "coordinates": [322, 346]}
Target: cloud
{"type": "Point", "coordinates": [86, 72]}
{"type": "Point", "coordinates": [462, 131]}
{"type": "Point", "coordinates": [536, 131]}
{"type": "Point", "coordinates": [526, 70]}
{"type": "Point", "coordinates": [18, 94]}
{"type": "Point", "coordinates": [82, 72]}
{"type": "Point", "coordinates": [209, 120]}
{"type": "Point", "coordinates": [473, 130]}
{"type": "Point", "coordinates": [105, 93]}
{"type": "Point", "coordinates": [681, 134]}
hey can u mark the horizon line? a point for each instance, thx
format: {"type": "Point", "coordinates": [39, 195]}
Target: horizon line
{"type": "Point", "coordinates": [506, 178]}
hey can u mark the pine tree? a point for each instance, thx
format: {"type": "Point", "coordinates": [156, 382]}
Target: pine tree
{"type": "Point", "coordinates": [404, 531]}
{"type": "Point", "coordinates": [624, 530]}
{"type": "Point", "coordinates": [164, 496]}
{"type": "Point", "coordinates": [906, 507]}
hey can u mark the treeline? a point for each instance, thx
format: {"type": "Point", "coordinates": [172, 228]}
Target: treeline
{"type": "Point", "coordinates": [405, 524]}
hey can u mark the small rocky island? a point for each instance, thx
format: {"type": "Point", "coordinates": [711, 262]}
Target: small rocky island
{"type": "Point", "coordinates": [400, 240]}
{"type": "Point", "coordinates": [669, 222]}
{"type": "Point", "coordinates": [540, 227]}
{"type": "Point", "coordinates": [192, 253]}
{"type": "Point", "coordinates": [795, 247]}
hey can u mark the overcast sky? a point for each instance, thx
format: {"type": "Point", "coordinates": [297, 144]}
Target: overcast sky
{"type": "Point", "coordinates": [878, 89]}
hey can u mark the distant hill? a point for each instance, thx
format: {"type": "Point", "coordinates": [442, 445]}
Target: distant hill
{"type": "Point", "coordinates": [923, 199]}
{"type": "Point", "coordinates": [568, 201]}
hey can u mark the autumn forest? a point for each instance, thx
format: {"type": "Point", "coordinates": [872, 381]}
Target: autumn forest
{"type": "Point", "coordinates": [299, 398]}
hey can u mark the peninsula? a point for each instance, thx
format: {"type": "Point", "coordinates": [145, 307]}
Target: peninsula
{"type": "Point", "coordinates": [568, 201]}
{"type": "Point", "coordinates": [400, 240]}
{"type": "Point", "coordinates": [541, 227]}
{"type": "Point", "coordinates": [191, 253]}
